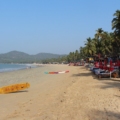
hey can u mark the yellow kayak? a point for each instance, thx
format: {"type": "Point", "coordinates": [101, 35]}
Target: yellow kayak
{"type": "Point", "coordinates": [14, 88]}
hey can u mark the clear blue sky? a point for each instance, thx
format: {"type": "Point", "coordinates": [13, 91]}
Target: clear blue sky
{"type": "Point", "coordinates": [52, 26]}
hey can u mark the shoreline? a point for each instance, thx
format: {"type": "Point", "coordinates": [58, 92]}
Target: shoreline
{"type": "Point", "coordinates": [76, 95]}
{"type": "Point", "coordinates": [10, 68]}
{"type": "Point", "coordinates": [31, 66]}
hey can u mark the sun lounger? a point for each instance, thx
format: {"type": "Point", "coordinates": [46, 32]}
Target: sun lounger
{"type": "Point", "coordinates": [93, 68]}
{"type": "Point", "coordinates": [106, 74]}
{"type": "Point", "coordinates": [98, 71]}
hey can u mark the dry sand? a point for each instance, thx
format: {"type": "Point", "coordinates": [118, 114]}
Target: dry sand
{"type": "Point", "coordinates": [77, 95]}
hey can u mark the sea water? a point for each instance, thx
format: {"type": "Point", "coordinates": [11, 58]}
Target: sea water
{"type": "Point", "coordinates": [13, 67]}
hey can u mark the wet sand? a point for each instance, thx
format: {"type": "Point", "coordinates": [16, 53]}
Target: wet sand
{"type": "Point", "coordinates": [77, 95]}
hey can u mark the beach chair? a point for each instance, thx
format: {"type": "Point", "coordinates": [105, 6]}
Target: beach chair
{"type": "Point", "coordinates": [102, 69]}
{"type": "Point", "coordinates": [97, 71]}
{"type": "Point", "coordinates": [107, 74]}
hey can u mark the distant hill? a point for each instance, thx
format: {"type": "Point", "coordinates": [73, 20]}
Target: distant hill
{"type": "Point", "coordinates": [21, 57]}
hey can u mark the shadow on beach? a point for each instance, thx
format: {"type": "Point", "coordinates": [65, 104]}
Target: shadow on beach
{"type": "Point", "coordinates": [20, 91]}
{"type": "Point", "coordinates": [108, 82]}
{"type": "Point", "coordinates": [103, 115]}
{"type": "Point", "coordinates": [111, 85]}
{"type": "Point", "coordinates": [107, 78]}
{"type": "Point", "coordinates": [82, 74]}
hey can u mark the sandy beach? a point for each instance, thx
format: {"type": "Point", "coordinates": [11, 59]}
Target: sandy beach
{"type": "Point", "coordinates": [77, 95]}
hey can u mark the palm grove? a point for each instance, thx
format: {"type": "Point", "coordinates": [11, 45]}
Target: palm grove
{"type": "Point", "coordinates": [103, 43]}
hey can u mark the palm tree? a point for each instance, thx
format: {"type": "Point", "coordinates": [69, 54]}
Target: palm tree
{"type": "Point", "coordinates": [116, 28]}
{"type": "Point", "coordinates": [114, 44]}
{"type": "Point", "coordinates": [71, 57]}
{"type": "Point", "coordinates": [98, 35]}
{"type": "Point", "coordinates": [107, 41]}
{"type": "Point", "coordinates": [77, 56]}
{"type": "Point", "coordinates": [83, 52]}
{"type": "Point", "coordinates": [116, 24]}
{"type": "Point", "coordinates": [90, 46]}
{"type": "Point", "coordinates": [98, 40]}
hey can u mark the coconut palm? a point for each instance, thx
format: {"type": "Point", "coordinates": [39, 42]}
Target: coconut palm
{"type": "Point", "coordinates": [99, 41]}
{"type": "Point", "coordinates": [77, 55]}
{"type": "Point", "coordinates": [116, 24]}
{"type": "Point", "coordinates": [71, 57]}
{"type": "Point", "coordinates": [106, 43]}
{"type": "Point", "coordinates": [90, 46]}
{"type": "Point", "coordinates": [98, 34]}
{"type": "Point", "coordinates": [97, 45]}
{"type": "Point", "coordinates": [116, 28]}
{"type": "Point", "coordinates": [103, 43]}
{"type": "Point", "coordinates": [81, 52]}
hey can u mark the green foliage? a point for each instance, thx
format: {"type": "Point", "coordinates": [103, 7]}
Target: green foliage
{"type": "Point", "coordinates": [103, 43]}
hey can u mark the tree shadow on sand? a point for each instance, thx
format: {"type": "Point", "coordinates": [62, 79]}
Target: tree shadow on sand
{"type": "Point", "coordinates": [117, 96]}
{"type": "Point", "coordinates": [82, 74]}
{"type": "Point", "coordinates": [109, 82]}
{"type": "Point", "coordinates": [103, 115]}
{"type": "Point", "coordinates": [88, 73]}
{"type": "Point", "coordinates": [111, 85]}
